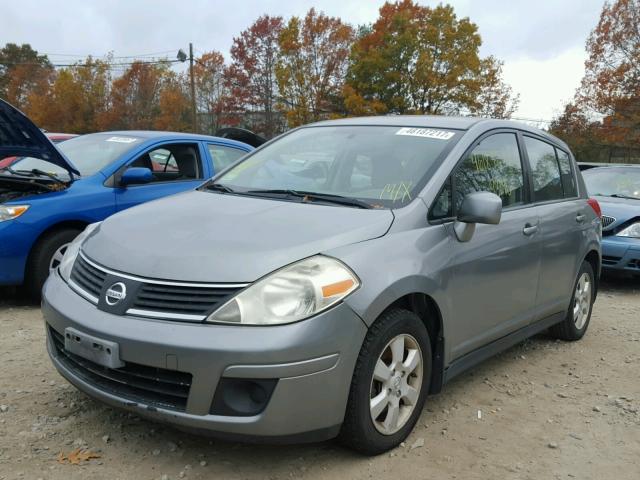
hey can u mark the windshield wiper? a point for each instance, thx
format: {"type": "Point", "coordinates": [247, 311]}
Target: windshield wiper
{"type": "Point", "coordinates": [20, 173]}
{"type": "Point", "coordinates": [313, 196]}
{"type": "Point", "coordinates": [42, 173]}
{"type": "Point", "coordinates": [218, 187]}
{"type": "Point", "coordinates": [616, 195]}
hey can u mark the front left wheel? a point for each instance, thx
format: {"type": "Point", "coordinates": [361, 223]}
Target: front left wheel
{"type": "Point", "coordinates": [45, 257]}
{"type": "Point", "coordinates": [389, 384]}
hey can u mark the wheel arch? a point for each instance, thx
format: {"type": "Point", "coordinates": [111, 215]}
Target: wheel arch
{"type": "Point", "coordinates": [427, 308]}
{"type": "Point", "coordinates": [593, 258]}
{"type": "Point", "coordinates": [55, 227]}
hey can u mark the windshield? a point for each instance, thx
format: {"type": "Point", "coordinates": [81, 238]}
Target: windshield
{"type": "Point", "coordinates": [89, 153]}
{"type": "Point", "coordinates": [381, 165]}
{"type": "Point", "coordinates": [623, 182]}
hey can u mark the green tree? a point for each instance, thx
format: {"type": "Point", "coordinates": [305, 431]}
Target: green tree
{"type": "Point", "coordinates": [417, 59]}
{"type": "Point", "coordinates": [23, 72]}
{"type": "Point", "coordinates": [313, 60]}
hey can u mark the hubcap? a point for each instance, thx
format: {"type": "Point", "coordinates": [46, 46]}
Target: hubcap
{"type": "Point", "coordinates": [57, 257]}
{"type": "Point", "coordinates": [396, 383]}
{"type": "Point", "coordinates": [582, 301]}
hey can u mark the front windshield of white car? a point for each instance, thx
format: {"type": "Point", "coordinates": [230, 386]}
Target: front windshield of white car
{"type": "Point", "coordinates": [381, 166]}
{"type": "Point", "coordinates": [88, 153]}
{"type": "Point", "coordinates": [613, 182]}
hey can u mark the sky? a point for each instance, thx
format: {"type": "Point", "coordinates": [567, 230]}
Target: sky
{"type": "Point", "coordinates": [541, 42]}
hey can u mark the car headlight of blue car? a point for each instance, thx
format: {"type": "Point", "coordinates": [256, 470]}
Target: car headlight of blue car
{"type": "Point", "coordinates": [292, 293]}
{"type": "Point", "coordinates": [9, 212]}
{"type": "Point", "coordinates": [66, 264]}
{"type": "Point", "coordinates": [632, 231]}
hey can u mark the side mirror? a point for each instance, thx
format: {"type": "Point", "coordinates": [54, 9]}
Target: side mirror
{"type": "Point", "coordinates": [136, 176]}
{"type": "Point", "coordinates": [477, 207]}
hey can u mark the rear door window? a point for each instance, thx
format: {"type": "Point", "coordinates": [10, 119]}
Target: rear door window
{"type": "Point", "coordinates": [223, 156]}
{"type": "Point", "coordinates": [547, 183]}
{"type": "Point", "coordinates": [567, 176]}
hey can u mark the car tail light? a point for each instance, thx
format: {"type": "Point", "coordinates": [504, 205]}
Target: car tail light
{"type": "Point", "coordinates": [593, 203]}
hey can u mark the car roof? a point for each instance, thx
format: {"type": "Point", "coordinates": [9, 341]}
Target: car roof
{"type": "Point", "coordinates": [439, 121]}
{"type": "Point", "coordinates": [161, 135]}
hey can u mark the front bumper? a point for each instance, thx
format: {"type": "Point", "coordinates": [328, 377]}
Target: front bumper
{"type": "Point", "coordinates": [312, 360]}
{"type": "Point", "coordinates": [16, 240]}
{"type": "Point", "coordinates": [621, 254]}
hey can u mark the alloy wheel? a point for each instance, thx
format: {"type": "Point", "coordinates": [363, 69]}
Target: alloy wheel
{"type": "Point", "coordinates": [57, 257]}
{"type": "Point", "coordinates": [582, 301]}
{"type": "Point", "coordinates": [396, 384]}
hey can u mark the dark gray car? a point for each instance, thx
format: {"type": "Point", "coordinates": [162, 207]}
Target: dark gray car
{"type": "Point", "coordinates": [329, 281]}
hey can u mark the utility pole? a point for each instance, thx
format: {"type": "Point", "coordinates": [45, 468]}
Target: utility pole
{"type": "Point", "coordinates": [193, 91]}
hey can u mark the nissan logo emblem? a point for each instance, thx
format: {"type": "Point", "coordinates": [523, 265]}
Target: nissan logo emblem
{"type": "Point", "coordinates": [115, 293]}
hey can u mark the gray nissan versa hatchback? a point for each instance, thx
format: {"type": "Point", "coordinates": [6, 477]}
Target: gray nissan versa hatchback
{"type": "Point", "coordinates": [326, 283]}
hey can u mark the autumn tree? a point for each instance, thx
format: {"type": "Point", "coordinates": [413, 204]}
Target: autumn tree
{"type": "Point", "coordinates": [611, 85]}
{"type": "Point", "coordinates": [606, 108]}
{"type": "Point", "coordinates": [174, 105]}
{"type": "Point", "coordinates": [23, 72]}
{"type": "Point", "coordinates": [78, 96]}
{"type": "Point", "coordinates": [417, 59]}
{"type": "Point", "coordinates": [212, 91]}
{"type": "Point", "coordinates": [313, 61]}
{"type": "Point", "coordinates": [135, 97]}
{"type": "Point", "coordinates": [252, 73]}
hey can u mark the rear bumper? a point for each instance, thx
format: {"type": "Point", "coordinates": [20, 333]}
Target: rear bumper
{"type": "Point", "coordinates": [312, 361]}
{"type": "Point", "coordinates": [621, 254]}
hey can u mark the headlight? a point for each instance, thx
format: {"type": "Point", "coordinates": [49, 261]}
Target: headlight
{"type": "Point", "coordinates": [66, 264]}
{"type": "Point", "coordinates": [9, 212]}
{"type": "Point", "coordinates": [632, 230]}
{"type": "Point", "coordinates": [290, 294]}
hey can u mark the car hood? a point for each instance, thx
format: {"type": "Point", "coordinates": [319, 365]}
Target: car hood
{"type": "Point", "coordinates": [21, 138]}
{"type": "Point", "coordinates": [210, 237]}
{"type": "Point", "coordinates": [622, 209]}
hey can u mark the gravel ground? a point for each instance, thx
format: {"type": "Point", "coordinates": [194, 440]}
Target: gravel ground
{"type": "Point", "coordinates": [542, 410]}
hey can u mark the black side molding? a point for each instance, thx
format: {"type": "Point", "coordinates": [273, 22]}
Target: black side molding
{"type": "Point", "coordinates": [481, 354]}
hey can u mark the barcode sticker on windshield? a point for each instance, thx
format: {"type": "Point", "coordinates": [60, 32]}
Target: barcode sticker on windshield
{"type": "Point", "coordinates": [121, 139]}
{"type": "Point", "coordinates": [425, 133]}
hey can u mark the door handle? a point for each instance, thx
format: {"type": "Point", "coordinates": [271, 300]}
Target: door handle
{"type": "Point", "coordinates": [580, 218]}
{"type": "Point", "coordinates": [529, 229]}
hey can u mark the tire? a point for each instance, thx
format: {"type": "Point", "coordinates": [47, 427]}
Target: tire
{"type": "Point", "coordinates": [41, 256]}
{"type": "Point", "coordinates": [359, 431]}
{"type": "Point", "coordinates": [575, 325]}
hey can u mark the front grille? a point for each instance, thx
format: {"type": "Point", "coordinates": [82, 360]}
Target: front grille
{"type": "Point", "coordinates": [609, 260]}
{"type": "Point", "coordinates": [180, 299]}
{"type": "Point", "coordinates": [88, 277]}
{"type": "Point", "coordinates": [607, 221]}
{"type": "Point", "coordinates": [152, 298]}
{"type": "Point", "coordinates": [152, 386]}
{"type": "Point", "coordinates": [635, 264]}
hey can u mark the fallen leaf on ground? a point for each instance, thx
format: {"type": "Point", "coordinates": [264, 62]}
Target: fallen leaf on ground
{"type": "Point", "coordinates": [77, 456]}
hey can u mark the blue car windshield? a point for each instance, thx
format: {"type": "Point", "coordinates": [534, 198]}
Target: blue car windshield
{"type": "Point", "coordinates": [613, 182]}
{"type": "Point", "coordinates": [88, 153]}
{"type": "Point", "coordinates": [383, 166]}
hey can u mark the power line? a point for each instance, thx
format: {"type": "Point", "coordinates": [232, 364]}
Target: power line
{"type": "Point", "coordinates": [64, 65]}
{"type": "Point", "coordinates": [152, 54]}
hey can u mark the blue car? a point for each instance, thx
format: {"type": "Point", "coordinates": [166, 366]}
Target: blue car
{"type": "Point", "coordinates": [50, 196]}
{"type": "Point", "coordinates": [617, 189]}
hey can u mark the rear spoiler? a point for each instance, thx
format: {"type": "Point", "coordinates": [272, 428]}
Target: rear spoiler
{"type": "Point", "coordinates": [241, 135]}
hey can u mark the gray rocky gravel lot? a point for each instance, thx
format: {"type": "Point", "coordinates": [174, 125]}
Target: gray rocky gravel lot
{"type": "Point", "coordinates": [542, 410]}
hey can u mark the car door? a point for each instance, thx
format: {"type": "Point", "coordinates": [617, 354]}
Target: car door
{"type": "Point", "coordinates": [562, 217]}
{"type": "Point", "coordinates": [176, 167]}
{"type": "Point", "coordinates": [493, 278]}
